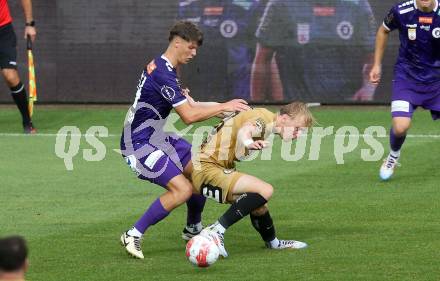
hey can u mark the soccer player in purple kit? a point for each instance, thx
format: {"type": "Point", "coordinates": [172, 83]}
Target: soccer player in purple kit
{"type": "Point", "coordinates": [417, 70]}
{"type": "Point", "coordinates": [164, 158]}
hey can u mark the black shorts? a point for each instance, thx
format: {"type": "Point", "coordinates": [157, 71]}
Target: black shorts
{"type": "Point", "coordinates": [8, 47]}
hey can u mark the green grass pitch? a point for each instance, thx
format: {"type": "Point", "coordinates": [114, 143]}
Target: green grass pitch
{"type": "Point", "coordinates": [357, 227]}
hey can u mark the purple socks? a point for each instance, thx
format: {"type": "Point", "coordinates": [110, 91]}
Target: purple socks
{"type": "Point", "coordinates": [153, 215]}
{"type": "Point", "coordinates": [395, 141]}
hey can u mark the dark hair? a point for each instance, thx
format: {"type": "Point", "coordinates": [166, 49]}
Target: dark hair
{"type": "Point", "coordinates": [187, 31]}
{"type": "Point", "coordinates": [13, 253]}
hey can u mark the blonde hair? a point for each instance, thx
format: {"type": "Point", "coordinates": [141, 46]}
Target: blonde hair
{"type": "Point", "coordinates": [299, 109]}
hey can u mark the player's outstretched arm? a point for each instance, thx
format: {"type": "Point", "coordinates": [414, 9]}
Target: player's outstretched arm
{"type": "Point", "coordinates": [193, 103]}
{"type": "Point", "coordinates": [191, 113]}
{"type": "Point", "coordinates": [381, 42]}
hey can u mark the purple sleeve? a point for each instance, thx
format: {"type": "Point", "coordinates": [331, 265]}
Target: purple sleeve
{"type": "Point", "coordinates": [391, 21]}
{"type": "Point", "coordinates": [169, 89]}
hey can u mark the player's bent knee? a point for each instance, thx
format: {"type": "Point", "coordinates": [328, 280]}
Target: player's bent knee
{"type": "Point", "coordinates": [400, 129]}
{"type": "Point", "coordinates": [266, 191]}
{"type": "Point", "coordinates": [180, 189]}
{"type": "Point", "coordinates": [183, 193]}
{"type": "Point", "coordinates": [11, 77]}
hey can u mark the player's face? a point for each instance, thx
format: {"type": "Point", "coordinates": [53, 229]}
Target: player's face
{"type": "Point", "coordinates": [187, 51]}
{"type": "Point", "coordinates": [291, 128]}
{"type": "Point", "coordinates": [425, 3]}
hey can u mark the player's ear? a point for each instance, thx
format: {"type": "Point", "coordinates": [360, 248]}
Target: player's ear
{"type": "Point", "coordinates": [176, 41]}
{"type": "Point", "coordinates": [284, 118]}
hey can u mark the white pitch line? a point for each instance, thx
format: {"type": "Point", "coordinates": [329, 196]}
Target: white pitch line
{"type": "Point", "coordinates": [118, 135]}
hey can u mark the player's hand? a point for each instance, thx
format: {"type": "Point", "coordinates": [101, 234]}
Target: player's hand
{"type": "Point", "coordinates": [31, 32]}
{"type": "Point", "coordinates": [366, 93]}
{"type": "Point", "coordinates": [375, 74]}
{"type": "Point", "coordinates": [236, 105]}
{"type": "Point", "coordinates": [258, 145]}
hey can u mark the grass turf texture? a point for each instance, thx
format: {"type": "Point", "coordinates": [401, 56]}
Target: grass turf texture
{"type": "Point", "coordinates": [357, 227]}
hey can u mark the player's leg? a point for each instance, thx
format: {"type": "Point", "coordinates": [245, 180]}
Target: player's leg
{"type": "Point", "coordinates": [263, 223]}
{"type": "Point", "coordinates": [195, 205]}
{"type": "Point", "coordinates": [402, 109]}
{"type": "Point", "coordinates": [166, 173]}
{"type": "Point", "coordinates": [398, 133]}
{"type": "Point", "coordinates": [246, 194]}
{"type": "Point", "coordinates": [179, 190]}
{"type": "Point", "coordinates": [8, 65]}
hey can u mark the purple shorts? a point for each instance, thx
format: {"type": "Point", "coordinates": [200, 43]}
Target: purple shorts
{"type": "Point", "coordinates": [407, 96]}
{"type": "Point", "coordinates": [159, 164]}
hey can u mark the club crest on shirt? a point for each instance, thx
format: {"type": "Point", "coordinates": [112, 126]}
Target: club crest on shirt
{"type": "Point", "coordinates": [260, 124]}
{"type": "Point", "coordinates": [228, 28]}
{"type": "Point", "coordinates": [167, 92]}
{"type": "Point", "coordinates": [303, 33]}
{"type": "Point", "coordinates": [436, 32]}
{"type": "Point", "coordinates": [345, 30]}
{"type": "Point", "coordinates": [412, 34]}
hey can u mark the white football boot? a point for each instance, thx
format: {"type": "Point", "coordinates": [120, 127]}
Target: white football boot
{"type": "Point", "coordinates": [132, 244]}
{"type": "Point", "coordinates": [217, 237]}
{"type": "Point", "coordinates": [287, 244]}
{"type": "Point", "coordinates": [387, 168]}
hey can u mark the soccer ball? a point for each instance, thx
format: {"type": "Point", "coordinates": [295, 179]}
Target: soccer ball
{"type": "Point", "coordinates": [201, 251]}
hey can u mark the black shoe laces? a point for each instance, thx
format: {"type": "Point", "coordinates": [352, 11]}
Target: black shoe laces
{"type": "Point", "coordinates": [391, 161]}
{"type": "Point", "coordinates": [137, 243]}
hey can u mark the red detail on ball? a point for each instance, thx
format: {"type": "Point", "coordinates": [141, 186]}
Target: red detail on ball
{"type": "Point", "coordinates": [201, 257]}
{"type": "Point", "coordinates": [188, 246]}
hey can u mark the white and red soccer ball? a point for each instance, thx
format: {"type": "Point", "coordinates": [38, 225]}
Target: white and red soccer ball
{"type": "Point", "coordinates": [202, 251]}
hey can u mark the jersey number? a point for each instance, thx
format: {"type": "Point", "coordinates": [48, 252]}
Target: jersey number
{"type": "Point", "coordinates": [212, 192]}
{"type": "Point", "coordinates": [139, 89]}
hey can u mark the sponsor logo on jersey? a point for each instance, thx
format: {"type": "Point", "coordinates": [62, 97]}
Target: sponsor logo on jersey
{"type": "Point", "coordinates": [151, 67]}
{"type": "Point", "coordinates": [425, 27]}
{"type": "Point", "coordinates": [211, 22]}
{"type": "Point", "coordinates": [324, 11]}
{"type": "Point", "coordinates": [412, 33]}
{"type": "Point", "coordinates": [427, 20]}
{"type": "Point", "coordinates": [228, 28]}
{"type": "Point", "coordinates": [412, 25]}
{"type": "Point", "coordinates": [303, 33]}
{"type": "Point", "coordinates": [213, 11]}
{"type": "Point", "coordinates": [436, 32]}
{"type": "Point", "coordinates": [345, 30]}
{"type": "Point", "coordinates": [167, 92]}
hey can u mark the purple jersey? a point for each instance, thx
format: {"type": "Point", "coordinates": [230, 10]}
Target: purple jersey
{"type": "Point", "coordinates": [419, 32]}
{"type": "Point", "coordinates": [158, 92]}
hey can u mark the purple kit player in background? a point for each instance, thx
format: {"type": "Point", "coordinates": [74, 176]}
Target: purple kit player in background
{"type": "Point", "coordinates": [229, 27]}
{"type": "Point", "coordinates": [160, 157]}
{"type": "Point", "coordinates": [417, 71]}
